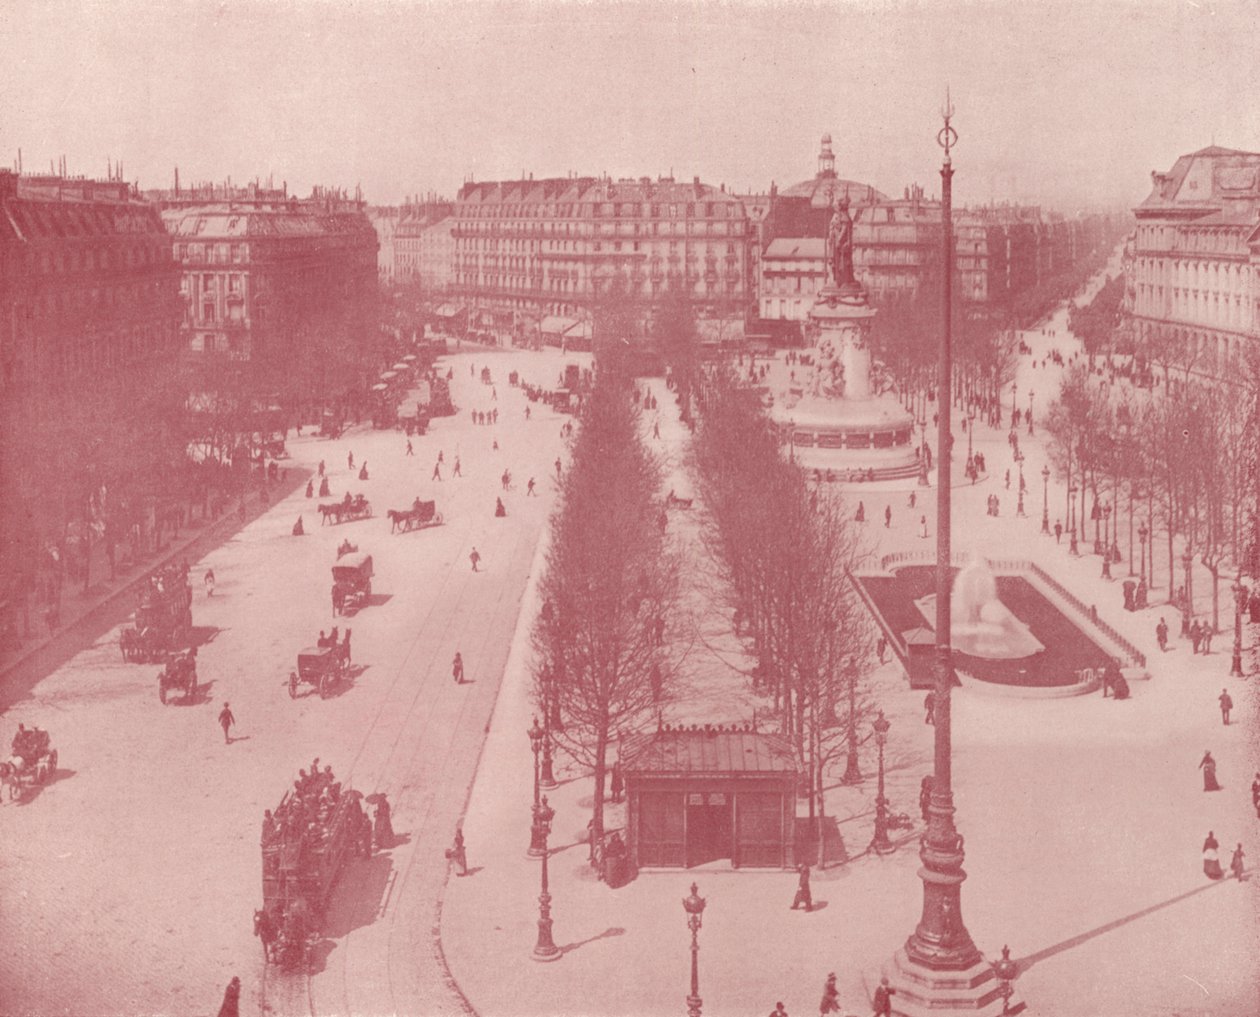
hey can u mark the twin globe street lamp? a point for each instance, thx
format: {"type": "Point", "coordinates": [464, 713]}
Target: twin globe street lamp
{"type": "Point", "coordinates": [537, 834]}
{"type": "Point", "coordinates": [545, 948]}
{"type": "Point", "coordinates": [1045, 499]}
{"type": "Point", "coordinates": [880, 843]}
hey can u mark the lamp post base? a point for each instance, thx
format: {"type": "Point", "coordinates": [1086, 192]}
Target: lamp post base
{"type": "Point", "coordinates": [545, 949]}
{"type": "Point", "coordinates": [852, 773]}
{"type": "Point", "coordinates": [1235, 666]}
{"type": "Point", "coordinates": [920, 991]}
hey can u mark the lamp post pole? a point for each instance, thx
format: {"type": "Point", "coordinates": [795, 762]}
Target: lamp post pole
{"type": "Point", "coordinates": [1045, 499]}
{"type": "Point", "coordinates": [1030, 402]}
{"type": "Point", "coordinates": [1073, 549]}
{"type": "Point", "coordinates": [1142, 533]}
{"type": "Point", "coordinates": [852, 771]}
{"type": "Point", "coordinates": [537, 836]}
{"type": "Point", "coordinates": [545, 948]}
{"type": "Point", "coordinates": [1240, 602]}
{"type": "Point", "coordinates": [1106, 566]}
{"type": "Point", "coordinates": [939, 965]}
{"type": "Point", "coordinates": [694, 906]}
{"type": "Point", "coordinates": [1187, 608]}
{"type": "Point", "coordinates": [880, 843]}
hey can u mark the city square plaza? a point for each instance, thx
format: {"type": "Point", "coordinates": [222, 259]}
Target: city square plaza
{"type": "Point", "coordinates": [130, 880]}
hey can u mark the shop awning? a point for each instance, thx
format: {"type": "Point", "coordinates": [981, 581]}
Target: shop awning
{"type": "Point", "coordinates": [579, 330]}
{"type": "Point", "coordinates": [555, 325]}
{"type": "Point", "coordinates": [449, 311]}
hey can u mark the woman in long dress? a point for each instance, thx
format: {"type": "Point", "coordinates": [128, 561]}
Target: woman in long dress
{"type": "Point", "coordinates": [1211, 861]}
{"type": "Point", "coordinates": [1208, 765]}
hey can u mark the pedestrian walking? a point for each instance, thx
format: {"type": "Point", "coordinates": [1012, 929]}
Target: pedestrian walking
{"type": "Point", "coordinates": [457, 471]}
{"type": "Point", "coordinates": [1255, 795]}
{"type": "Point", "coordinates": [231, 1005]}
{"type": "Point", "coordinates": [778, 1011]}
{"type": "Point", "coordinates": [494, 393]}
{"type": "Point", "coordinates": [1205, 637]}
{"type": "Point", "coordinates": [298, 529]}
{"type": "Point", "coordinates": [1161, 635]}
{"type": "Point", "coordinates": [437, 471]}
{"type": "Point", "coordinates": [1227, 704]}
{"type": "Point", "coordinates": [1208, 765]}
{"type": "Point", "coordinates": [382, 826]}
{"type": "Point", "coordinates": [656, 430]}
{"type": "Point", "coordinates": [349, 460]}
{"type": "Point", "coordinates": [923, 528]}
{"type": "Point", "coordinates": [887, 516]}
{"type": "Point", "coordinates": [913, 499]}
{"type": "Point", "coordinates": [831, 998]}
{"type": "Point", "coordinates": [410, 450]}
{"type": "Point", "coordinates": [860, 515]}
{"type": "Point", "coordinates": [321, 467]}
{"type": "Point", "coordinates": [457, 669]}
{"type": "Point", "coordinates": [1008, 480]}
{"type": "Point", "coordinates": [1058, 531]}
{"type": "Point", "coordinates": [881, 648]}
{"type": "Point", "coordinates": [529, 488]}
{"type": "Point", "coordinates": [526, 412]}
{"type": "Point", "coordinates": [883, 998]}
{"type": "Point", "coordinates": [441, 456]}
{"type": "Point", "coordinates": [618, 784]}
{"type": "Point", "coordinates": [929, 707]}
{"type": "Point", "coordinates": [310, 489]}
{"type": "Point", "coordinates": [226, 720]}
{"type": "Point", "coordinates": [1211, 860]}
{"type": "Point", "coordinates": [475, 558]}
{"type": "Point", "coordinates": [209, 582]}
{"type": "Point", "coordinates": [1236, 863]}
{"type": "Point", "coordinates": [925, 795]}
{"type": "Point", "coordinates": [803, 896]}
{"type": "Point", "coordinates": [506, 479]}
{"type": "Point", "coordinates": [499, 510]}
{"type": "Point", "coordinates": [457, 854]}
{"type": "Point", "coordinates": [558, 466]}
{"type": "Point", "coordinates": [1195, 637]}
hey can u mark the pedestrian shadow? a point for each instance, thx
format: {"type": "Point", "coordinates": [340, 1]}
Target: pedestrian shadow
{"type": "Point", "coordinates": [818, 905]}
{"type": "Point", "coordinates": [472, 871]}
{"type": "Point", "coordinates": [238, 738]}
{"type": "Point", "coordinates": [606, 934]}
{"type": "Point", "coordinates": [1024, 963]}
{"type": "Point", "coordinates": [199, 696]}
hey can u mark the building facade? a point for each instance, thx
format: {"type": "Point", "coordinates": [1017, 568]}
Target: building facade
{"type": "Point", "coordinates": [1196, 261]}
{"type": "Point", "coordinates": [266, 276]}
{"type": "Point", "coordinates": [384, 220]}
{"type": "Point", "coordinates": [530, 249]}
{"type": "Point", "coordinates": [88, 286]}
{"type": "Point", "coordinates": [425, 248]}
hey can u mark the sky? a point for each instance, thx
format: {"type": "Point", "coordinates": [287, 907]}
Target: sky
{"type": "Point", "coordinates": [1068, 104]}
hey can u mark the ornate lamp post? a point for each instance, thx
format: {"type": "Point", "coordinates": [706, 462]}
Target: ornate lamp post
{"type": "Point", "coordinates": [1073, 549]}
{"type": "Point", "coordinates": [939, 965]}
{"type": "Point", "coordinates": [1045, 499]}
{"type": "Point", "coordinates": [1106, 569]}
{"type": "Point", "coordinates": [1240, 604]}
{"type": "Point", "coordinates": [1095, 513]}
{"type": "Point", "coordinates": [1030, 402]}
{"type": "Point", "coordinates": [694, 906]}
{"type": "Point", "coordinates": [852, 772]}
{"type": "Point", "coordinates": [880, 843]}
{"type": "Point", "coordinates": [545, 949]}
{"type": "Point", "coordinates": [1142, 535]}
{"type": "Point", "coordinates": [1014, 389]}
{"type": "Point", "coordinates": [1006, 971]}
{"type": "Point", "coordinates": [537, 837]}
{"type": "Point", "coordinates": [971, 426]}
{"type": "Point", "coordinates": [1187, 609]}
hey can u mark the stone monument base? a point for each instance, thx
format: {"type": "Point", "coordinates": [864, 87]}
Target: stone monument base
{"type": "Point", "coordinates": [850, 439]}
{"type": "Point", "coordinates": [924, 992]}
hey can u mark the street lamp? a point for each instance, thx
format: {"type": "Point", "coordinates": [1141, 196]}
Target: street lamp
{"type": "Point", "coordinates": [1045, 499]}
{"type": "Point", "coordinates": [1014, 389]}
{"type": "Point", "coordinates": [1030, 402]}
{"type": "Point", "coordinates": [880, 842]}
{"type": "Point", "coordinates": [1143, 532]}
{"type": "Point", "coordinates": [852, 772]}
{"type": "Point", "coordinates": [1106, 568]}
{"type": "Point", "coordinates": [545, 949]}
{"type": "Point", "coordinates": [1240, 603]}
{"type": "Point", "coordinates": [537, 837]}
{"type": "Point", "coordinates": [1006, 971]}
{"type": "Point", "coordinates": [1072, 547]}
{"type": "Point", "coordinates": [694, 906]}
{"type": "Point", "coordinates": [1187, 560]}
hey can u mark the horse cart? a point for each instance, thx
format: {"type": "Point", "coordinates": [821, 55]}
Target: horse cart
{"type": "Point", "coordinates": [33, 762]}
{"type": "Point", "coordinates": [179, 672]}
{"type": "Point", "coordinates": [349, 508]}
{"type": "Point", "coordinates": [317, 827]}
{"type": "Point", "coordinates": [421, 514]}
{"type": "Point", "coordinates": [163, 618]}
{"type": "Point", "coordinates": [321, 666]}
{"type": "Point", "coordinates": [352, 581]}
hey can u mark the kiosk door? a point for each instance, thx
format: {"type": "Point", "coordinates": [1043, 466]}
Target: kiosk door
{"type": "Point", "coordinates": [708, 827]}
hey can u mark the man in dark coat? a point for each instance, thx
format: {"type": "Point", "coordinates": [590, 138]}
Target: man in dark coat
{"type": "Point", "coordinates": [226, 720]}
{"type": "Point", "coordinates": [803, 896]}
{"type": "Point", "coordinates": [1227, 704]}
{"type": "Point", "coordinates": [383, 827]}
{"type": "Point", "coordinates": [831, 999]}
{"type": "Point", "coordinates": [457, 669]}
{"type": "Point", "coordinates": [231, 1006]}
{"type": "Point", "coordinates": [929, 707]}
{"type": "Point", "coordinates": [883, 999]}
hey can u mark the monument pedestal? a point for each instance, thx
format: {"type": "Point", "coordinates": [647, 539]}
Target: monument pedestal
{"type": "Point", "coordinates": [837, 426]}
{"type": "Point", "coordinates": [920, 991]}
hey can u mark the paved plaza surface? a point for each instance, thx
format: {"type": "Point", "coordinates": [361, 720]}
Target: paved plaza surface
{"type": "Point", "coordinates": [128, 884]}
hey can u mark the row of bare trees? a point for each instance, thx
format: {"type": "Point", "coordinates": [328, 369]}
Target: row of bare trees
{"type": "Point", "coordinates": [604, 670]}
{"type": "Point", "coordinates": [1180, 464]}
{"type": "Point", "coordinates": [785, 553]}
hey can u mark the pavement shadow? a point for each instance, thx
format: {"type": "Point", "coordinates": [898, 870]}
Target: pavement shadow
{"type": "Point", "coordinates": [606, 934]}
{"type": "Point", "coordinates": [199, 695]}
{"type": "Point", "coordinates": [233, 739]}
{"type": "Point", "coordinates": [200, 635]}
{"type": "Point", "coordinates": [357, 902]}
{"type": "Point", "coordinates": [28, 794]}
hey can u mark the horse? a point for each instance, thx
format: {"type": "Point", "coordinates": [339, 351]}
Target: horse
{"type": "Point", "coordinates": [127, 643]}
{"type": "Point", "coordinates": [334, 510]}
{"type": "Point", "coordinates": [399, 517]}
{"type": "Point", "coordinates": [265, 929]}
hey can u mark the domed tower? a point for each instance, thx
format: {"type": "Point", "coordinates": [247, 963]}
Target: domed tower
{"type": "Point", "coordinates": [826, 160]}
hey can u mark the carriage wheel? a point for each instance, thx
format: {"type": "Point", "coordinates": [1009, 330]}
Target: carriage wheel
{"type": "Point", "coordinates": [293, 684]}
{"type": "Point", "coordinates": [162, 693]}
{"type": "Point", "coordinates": [14, 790]}
{"type": "Point", "coordinates": [367, 591]}
{"type": "Point", "coordinates": [325, 685]}
{"type": "Point", "coordinates": [191, 689]}
{"type": "Point", "coordinates": [52, 763]}
{"type": "Point", "coordinates": [437, 519]}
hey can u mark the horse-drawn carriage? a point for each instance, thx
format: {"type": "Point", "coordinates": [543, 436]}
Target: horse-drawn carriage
{"type": "Point", "coordinates": [33, 762]}
{"type": "Point", "coordinates": [352, 581]}
{"type": "Point", "coordinates": [179, 672]}
{"type": "Point", "coordinates": [420, 515]}
{"type": "Point", "coordinates": [163, 617]}
{"type": "Point", "coordinates": [357, 507]}
{"type": "Point", "coordinates": [321, 665]}
{"type": "Point", "coordinates": [316, 828]}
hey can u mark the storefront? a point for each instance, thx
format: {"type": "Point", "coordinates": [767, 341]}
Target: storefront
{"type": "Point", "coordinates": [699, 794]}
